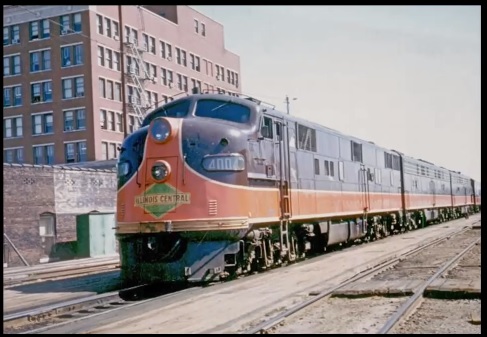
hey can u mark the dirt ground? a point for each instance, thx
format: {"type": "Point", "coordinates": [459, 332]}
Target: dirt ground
{"type": "Point", "coordinates": [423, 265]}
{"type": "Point", "coordinates": [436, 316]}
{"type": "Point", "coordinates": [341, 316]}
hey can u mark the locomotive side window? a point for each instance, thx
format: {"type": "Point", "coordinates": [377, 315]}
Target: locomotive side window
{"type": "Point", "coordinates": [356, 151]}
{"type": "Point", "coordinates": [224, 110]}
{"type": "Point", "coordinates": [329, 168]}
{"type": "Point", "coordinates": [306, 138]}
{"type": "Point", "coordinates": [266, 128]}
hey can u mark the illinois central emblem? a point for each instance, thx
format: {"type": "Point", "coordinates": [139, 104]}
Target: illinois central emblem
{"type": "Point", "coordinates": [159, 199]}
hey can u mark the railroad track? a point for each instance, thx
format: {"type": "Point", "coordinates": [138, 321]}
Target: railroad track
{"type": "Point", "coordinates": [48, 317]}
{"type": "Point", "coordinates": [266, 326]}
{"type": "Point", "coordinates": [58, 314]}
{"type": "Point", "coordinates": [35, 274]}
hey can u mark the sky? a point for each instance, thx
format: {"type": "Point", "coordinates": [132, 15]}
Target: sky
{"type": "Point", "coordinates": [404, 77]}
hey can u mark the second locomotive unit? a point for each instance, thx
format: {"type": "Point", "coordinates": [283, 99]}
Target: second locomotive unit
{"type": "Point", "coordinates": [213, 185]}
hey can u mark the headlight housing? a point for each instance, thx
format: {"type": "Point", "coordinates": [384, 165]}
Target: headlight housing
{"type": "Point", "coordinates": [123, 168]}
{"type": "Point", "coordinates": [160, 171]}
{"type": "Point", "coordinates": [160, 130]}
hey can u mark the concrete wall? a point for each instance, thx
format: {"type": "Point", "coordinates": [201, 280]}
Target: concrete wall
{"type": "Point", "coordinates": [30, 191]}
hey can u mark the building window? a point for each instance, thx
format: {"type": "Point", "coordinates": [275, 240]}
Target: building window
{"type": "Point", "coordinates": [11, 35]}
{"type": "Point", "coordinates": [183, 58]}
{"type": "Point", "coordinates": [39, 29]}
{"type": "Point", "coordinates": [70, 24]}
{"type": "Point", "coordinates": [74, 120]}
{"type": "Point", "coordinates": [12, 127]}
{"type": "Point", "coordinates": [115, 28]}
{"type": "Point", "coordinates": [119, 122]}
{"type": "Point", "coordinates": [118, 92]}
{"type": "Point", "coordinates": [180, 81]}
{"type": "Point", "coordinates": [203, 29]}
{"type": "Point", "coordinates": [111, 122]}
{"type": "Point", "coordinates": [12, 96]}
{"type": "Point", "coordinates": [178, 55]}
{"type": "Point", "coordinates": [44, 154]}
{"type": "Point", "coordinates": [42, 124]}
{"type": "Point", "coordinates": [41, 92]}
{"type": "Point", "coordinates": [80, 86]}
{"type": "Point", "coordinates": [101, 83]}
{"type": "Point", "coordinates": [78, 83]}
{"type": "Point", "coordinates": [152, 45]}
{"type": "Point", "coordinates": [104, 150]}
{"type": "Point", "coordinates": [197, 63]}
{"type": "Point", "coordinates": [116, 61]}
{"type": "Point", "coordinates": [108, 27]}
{"type": "Point", "coordinates": [40, 60]}
{"type": "Point", "coordinates": [132, 66]}
{"type": "Point", "coordinates": [99, 23]}
{"type": "Point", "coordinates": [11, 65]}
{"type": "Point", "coordinates": [196, 26]}
{"type": "Point", "coordinates": [47, 225]}
{"type": "Point", "coordinates": [317, 166]}
{"type": "Point", "coordinates": [169, 51]}
{"type": "Point", "coordinates": [131, 125]}
{"type": "Point", "coordinates": [14, 155]}
{"type": "Point", "coordinates": [109, 89]}
{"type": "Point", "coordinates": [72, 55]}
{"type": "Point", "coordinates": [103, 119]}
{"type": "Point", "coordinates": [101, 56]}
{"type": "Point", "coordinates": [75, 152]}
{"type": "Point", "coordinates": [108, 57]}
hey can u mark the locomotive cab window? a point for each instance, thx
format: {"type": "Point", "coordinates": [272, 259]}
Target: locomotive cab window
{"type": "Point", "coordinates": [224, 110]}
{"type": "Point", "coordinates": [266, 128]}
{"type": "Point", "coordinates": [177, 110]}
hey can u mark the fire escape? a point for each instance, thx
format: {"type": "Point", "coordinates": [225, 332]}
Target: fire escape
{"type": "Point", "coordinates": [137, 75]}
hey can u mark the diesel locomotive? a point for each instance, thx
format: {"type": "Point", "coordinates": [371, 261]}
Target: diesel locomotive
{"type": "Point", "coordinates": [212, 186]}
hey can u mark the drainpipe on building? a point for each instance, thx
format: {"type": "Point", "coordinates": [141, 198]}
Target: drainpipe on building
{"type": "Point", "coordinates": [122, 65]}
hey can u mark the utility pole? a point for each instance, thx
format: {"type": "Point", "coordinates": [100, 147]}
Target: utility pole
{"type": "Point", "coordinates": [287, 102]}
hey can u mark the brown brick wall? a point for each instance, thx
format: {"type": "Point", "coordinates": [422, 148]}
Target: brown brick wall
{"type": "Point", "coordinates": [30, 191]}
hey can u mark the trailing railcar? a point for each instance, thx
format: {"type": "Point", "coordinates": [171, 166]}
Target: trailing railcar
{"type": "Point", "coordinates": [462, 190]}
{"type": "Point", "coordinates": [476, 195]}
{"type": "Point", "coordinates": [214, 185]}
{"type": "Point", "coordinates": [427, 191]}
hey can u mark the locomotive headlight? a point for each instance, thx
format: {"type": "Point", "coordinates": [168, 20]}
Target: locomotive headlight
{"type": "Point", "coordinates": [224, 162]}
{"type": "Point", "coordinates": [160, 130]}
{"type": "Point", "coordinates": [160, 171]}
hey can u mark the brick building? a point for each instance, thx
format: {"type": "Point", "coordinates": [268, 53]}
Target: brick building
{"type": "Point", "coordinates": [40, 205]}
{"type": "Point", "coordinates": [77, 79]}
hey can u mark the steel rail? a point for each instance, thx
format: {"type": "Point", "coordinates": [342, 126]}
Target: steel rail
{"type": "Point", "coordinates": [405, 308]}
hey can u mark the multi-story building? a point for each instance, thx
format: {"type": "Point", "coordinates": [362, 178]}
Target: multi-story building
{"type": "Point", "coordinates": [77, 79]}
